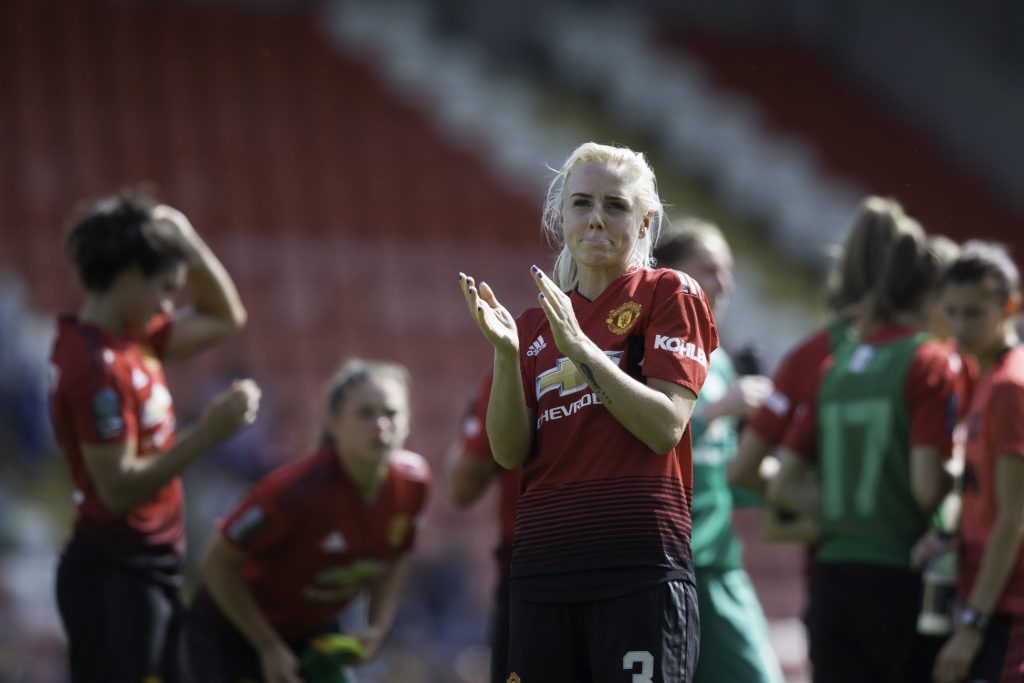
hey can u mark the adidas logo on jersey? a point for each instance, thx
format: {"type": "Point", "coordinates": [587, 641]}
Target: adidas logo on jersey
{"type": "Point", "coordinates": [334, 542]}
{"type": "Point", "coordinates": [677, 345]}
{"type": "Point", "coordinates": [537, 346]}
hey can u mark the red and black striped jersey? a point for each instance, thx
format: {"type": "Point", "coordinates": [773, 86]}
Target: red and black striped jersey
{"type": "Point", "coordinates": [594, 497]}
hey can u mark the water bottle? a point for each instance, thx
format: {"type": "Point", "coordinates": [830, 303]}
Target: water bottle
{"type": "Point", "coordinates": [939, 595]}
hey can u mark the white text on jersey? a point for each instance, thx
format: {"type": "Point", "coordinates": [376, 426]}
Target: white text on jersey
{"type": "Point", "coordinates": [677, 345]}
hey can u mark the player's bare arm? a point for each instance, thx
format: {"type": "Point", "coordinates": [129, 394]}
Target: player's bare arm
{"type": "Point", "coordinates": [509, 423]}
{"type": "Point", "coordinates": [929, 480]}
{"type": "Point", "coordinates": [124, 480]}
{"type": "Point", "coordinates": [467, 478]}
{"type": "Point", "coordinates": [656, 413]}
{"type": "Point", "coordinates": [216, 310]}
{"type": "Point", "coordinates": [222, 572]}
{"type": "Point", "coordinates": [997, 563]}
{"type": "Point", "coordinates": [794, 488]}
{"type": "Point", "coordinates": [384, 596]}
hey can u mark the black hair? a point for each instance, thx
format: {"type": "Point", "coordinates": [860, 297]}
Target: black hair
{"type": "Point", "coordinates": [118, 232]}
{"type": "Point", "coordinates": [979, 260]}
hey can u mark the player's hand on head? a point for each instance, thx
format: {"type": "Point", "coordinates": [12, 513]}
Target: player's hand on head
{"type": "Point", "coordinates": [493, 319]}
{"type": "Point", "coordinates": [279, 664]}
{"type": "Point", "coordinates": [234, 408]}
{"type": "Point", "coordinates": [176, 219]}
{"type": "Point", "coordinates": [557, 306]}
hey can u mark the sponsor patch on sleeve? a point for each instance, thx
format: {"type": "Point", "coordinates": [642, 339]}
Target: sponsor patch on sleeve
{"type": "Point", "coordinates": [106, 407]}
{"type": "Point", "coordinates": [248, 524]}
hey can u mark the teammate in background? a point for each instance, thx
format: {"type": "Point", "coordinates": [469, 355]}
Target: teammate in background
{"type": "Point", "coordinates": [868, 456]}
{"type": "Point", "coordinates": [118, 578]}
{"type": "Point", "coordinates": [875, 226]}
{"type": "Point", "coordinates": [312, 536]}
{"type": "Point", "coordinates": [733, 633]}
{"type": "Point", "coordinates": [471, 470]}
{"type": "Point", "coordinates": [981, 299]}
{"type": "Point", "coordinates": [592, 396]}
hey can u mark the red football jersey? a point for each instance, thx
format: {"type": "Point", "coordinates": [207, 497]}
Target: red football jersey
{"type": "Point", "coordinates": [314, 542]}
{"type": "Point", "coordinates": [994, 429]}
{"type": "Point", "coordinates": [106, 389]}
{"type": "Point", "coordinates": [476, 446]}
{"type": "Point", "coordinates": [796, 382]}
{"type": "Point", "coordinates": [594, 497]}
{"type": "Point", "coordinates": [930, 396]}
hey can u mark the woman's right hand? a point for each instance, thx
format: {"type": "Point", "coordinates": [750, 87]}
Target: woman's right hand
{"type": "Point", "coordinates": [279, 664]}
{"type": "Point", "coordinates": [494, 320]}
{"type": "Point", "coordinates": [234, 408]}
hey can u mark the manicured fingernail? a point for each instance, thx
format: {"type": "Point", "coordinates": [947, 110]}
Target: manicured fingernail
{"type": "Point", "coordinates": [542, 295]}
{"type": "Point", "coordinates": [460, 277]}
{"type": "Point", "coordinates": [534, 268]}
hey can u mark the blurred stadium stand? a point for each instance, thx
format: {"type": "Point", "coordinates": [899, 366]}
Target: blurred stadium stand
{"type": "Point", "coordinates": [347, 158]}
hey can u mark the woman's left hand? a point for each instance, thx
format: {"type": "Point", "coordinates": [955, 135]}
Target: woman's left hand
{"type": "Point", "coordinates": [557, 306]}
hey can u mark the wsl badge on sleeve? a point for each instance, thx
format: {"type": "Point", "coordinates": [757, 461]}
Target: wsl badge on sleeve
{"type": "Point", "coordinates": [106, 407]}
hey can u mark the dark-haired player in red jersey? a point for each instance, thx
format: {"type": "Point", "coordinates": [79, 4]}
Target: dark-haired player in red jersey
{"type": "Point", "coordinates": [592, 396]}
{"type": "Point", "coordinates": [471, 471]}
{"type": "Point", "coordinates": [312, 536]}
{"type": "Point", "coordinates": [118, 579]}
{"type": "Point", "coordinates": [981, 298]}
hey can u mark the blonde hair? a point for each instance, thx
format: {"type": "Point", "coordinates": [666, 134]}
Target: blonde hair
{"type": "Point", "coordinates": [638, 173]}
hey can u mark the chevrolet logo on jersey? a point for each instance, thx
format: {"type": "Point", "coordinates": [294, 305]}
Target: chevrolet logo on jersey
{"type": "Point", "coordinates": [566, 377]}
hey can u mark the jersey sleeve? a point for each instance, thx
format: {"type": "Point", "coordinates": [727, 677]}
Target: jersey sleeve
{"type": "Point", "coordinates": [474, 424]}
{"type": "Point", "coordinates": [681, 333]}
{"type": "Point", "coordinates": [1006, 419]}
{"type": "Point", "coordinates": [801, 435]}
{"type": "Point", "coordinates": [257, 524]}
{"type": "Point", "coordinates": [931, 395]}
{"type": "Point", "coordinates": [102, 407]}
{"type": "Point", "coordinates": [795, 382]}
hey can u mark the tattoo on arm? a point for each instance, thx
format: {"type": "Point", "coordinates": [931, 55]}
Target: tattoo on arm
{"type": "Point", "coordinates": [592, 381]}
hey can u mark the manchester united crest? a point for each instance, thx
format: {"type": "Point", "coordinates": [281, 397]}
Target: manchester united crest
{"type": "Point", "coordinates": [621, 319]}
{"type": "Point", "coordinates": [397, 529]}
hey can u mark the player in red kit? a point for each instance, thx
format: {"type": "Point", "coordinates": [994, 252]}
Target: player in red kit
{"type": "Point", "coordinates": [874, 228]}
{"type": "Point", "coordinates": [118, 579]}
{"type": "Point", "coordinates": [592, 395]}
{"type": "Point", "coordinates": [982, 298]}
{"type": "Point", "coordinates": [471, 470]}
{"type": "Point", "coordinates": [312, 536]}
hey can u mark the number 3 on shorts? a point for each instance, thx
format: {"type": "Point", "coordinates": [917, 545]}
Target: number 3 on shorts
{"type": "Point", "coordinates": [646, 661]}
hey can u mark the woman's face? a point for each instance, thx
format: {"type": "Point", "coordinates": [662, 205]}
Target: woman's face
{"type": "Point", "coordinates": [710, 265]}
{"type": "Point", "coordinates": [140, 297]}
{"type": "Point", "coordinates": [372, 420]}
{"type": "Point", "coordinates": [974, 315]}
{"type": "Point", "coordinates": [599, 217]}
